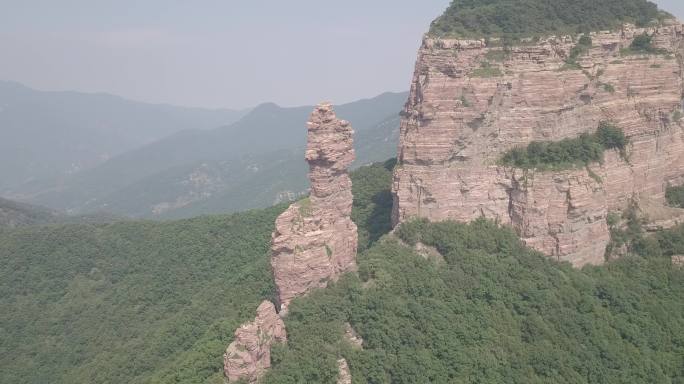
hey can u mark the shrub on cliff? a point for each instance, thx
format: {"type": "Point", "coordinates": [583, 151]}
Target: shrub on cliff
{"type": "Point", "coordinates": [675, 196]}
{"type": "Point", "coordinates": [522, 18]}
{"type": "Point", "coordinates": [568, 153]}
{"type": "Point", "coordinates": [610, 136]}
{"type": "Point", "coordinates": [642, 44]}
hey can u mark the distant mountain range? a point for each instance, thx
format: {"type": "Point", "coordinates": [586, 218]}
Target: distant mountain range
{"type": "Point", "coordinates": [160, 169]}
{"type": "Point", "coordinates": [14, 214]}
{"type": "Point", "coordinates": [57, 134]}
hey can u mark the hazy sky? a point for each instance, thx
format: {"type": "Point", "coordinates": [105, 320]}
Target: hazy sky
{"type": "Point", "coordinates": [218, 53]}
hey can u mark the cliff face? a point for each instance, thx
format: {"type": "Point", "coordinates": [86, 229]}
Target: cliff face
{"type": "Point", "coordinates": [315, 240]}
{"type": "Point", "coordinates": [249, 355]}
{"type": "Point", "coordinates": [471, 101]}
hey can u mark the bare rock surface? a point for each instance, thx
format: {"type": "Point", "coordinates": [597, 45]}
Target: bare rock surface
{"type": "Point", "coordinates": [315, 239]}
{"type": "Point", "coordinates": [345, 374]}
{"type": "Point", "coordinates": [249, 355]}
{"type": "Point", "coordinates": [470, 103]}
{"type": "Point", "coordinates": [658, 216]}
{"type": "Point", "coordinates": [352, 337]}
{"type": "Point", "coordinates": [678, 261]}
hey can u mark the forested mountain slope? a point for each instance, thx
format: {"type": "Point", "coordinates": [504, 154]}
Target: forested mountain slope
{"type": "Point", "coordinates": [15, 214]}
{"type": "Point", "coordinates": [139, 302]}
{"type": "Point", "coordinates": [149, 302]}
{"type": "Point", "coordinates": [476, 306]}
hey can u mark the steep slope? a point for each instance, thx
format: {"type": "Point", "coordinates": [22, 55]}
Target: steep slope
{"type": "Point", "coordinates": [114, 303]}
{"type": "Point", "coordinates": [252, 163]}
{"type": "Point", "coordinates": [480, 307]}
{"type": "Point", "coordinates": [13, 214]}
{"type": "Point", "coordinates": [55, 134]}
{"type": "Point", "coordinates": [147, 302]}
{"type": "Point", "coordinates": [142, 302]}
{"type": "Point", "coordinates": [473, 100]}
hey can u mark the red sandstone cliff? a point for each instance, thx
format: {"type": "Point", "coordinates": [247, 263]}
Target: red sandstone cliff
{"type": "Point", "coordinates": [460, 119]}
{"type": "Point", "coordinates": [315, 239]}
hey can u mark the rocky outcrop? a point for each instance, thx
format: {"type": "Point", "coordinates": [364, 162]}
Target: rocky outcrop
{"type": "Point", "coordinates": [678, 261]}
{"type": "Point", "coordinates": [345, 374]}
{"type": "Point", "coordinates": [471, 101]}
{"type": "Point", "coordinates": [315, 239]}
{"type": "Point", "coordinates": [249, 355]}
{"type": "Point", "coordinates": [314, 242]}
{"type": "Point", "coordinates": [352, 337]}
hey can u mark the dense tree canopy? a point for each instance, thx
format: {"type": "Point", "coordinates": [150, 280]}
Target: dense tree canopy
{"type": "Point", "coordinates": [493, 311]}
{"type": "Point", "coordinates": [144, 302]}
{"type": "Point", "coordinates": [148, 302]}
{"type": "Point", "coordinates": [523, 18]}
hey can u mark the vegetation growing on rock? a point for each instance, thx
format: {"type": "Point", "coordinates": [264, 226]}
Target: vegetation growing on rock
{"type": "Point", "coordinates": [522, 18]}
{"type": "Point", "coordinates": [675, 196]}
{"type": "Point", "coordinates": [567, 153]}
{"type": "Point", "coordinates": [372, 208]}
{"type": "Point", "coordinates": [642, 44]}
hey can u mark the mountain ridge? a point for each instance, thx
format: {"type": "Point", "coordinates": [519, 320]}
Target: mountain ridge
{"type": "Point", "coordinates": [226, 152]}
{"type": "Point", "coordinates": [56, 134]}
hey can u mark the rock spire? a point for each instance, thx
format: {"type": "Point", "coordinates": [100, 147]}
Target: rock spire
{"type": "Point", "coordinates": [314, 242]}
{"type": "Point", "coordinates": [315, 239]}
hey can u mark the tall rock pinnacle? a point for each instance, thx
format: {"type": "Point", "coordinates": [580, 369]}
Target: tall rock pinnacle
{"type": "Point", "coordinates": [315, 239]}
{"type": "Point", "coordinates": [314, 242]}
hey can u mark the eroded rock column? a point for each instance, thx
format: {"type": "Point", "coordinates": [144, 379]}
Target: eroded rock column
{"type": "Point", "coordinates": [314, 242]}
{"type": "Point", "coordinates": [315, 239]}
{"type": "Point", "coordinates": [249, 355]}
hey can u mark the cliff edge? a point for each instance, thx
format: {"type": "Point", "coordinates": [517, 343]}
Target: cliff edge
{"type": "Point", "coordinates": [473, 100]}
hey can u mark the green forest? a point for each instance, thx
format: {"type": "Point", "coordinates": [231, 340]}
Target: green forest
{"type": "Point", "coordinates": [489, 311]}
{"type": "Point", "coordinates": [528, 18]}
{"type": "Point", "coordinates": [157, 302]}
{"type": "Point", "coordinates": [144, 302]}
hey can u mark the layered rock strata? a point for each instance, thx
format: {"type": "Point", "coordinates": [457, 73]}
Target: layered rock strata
{"type": "Point", "coordinates": [315, 239]}
{"type": "Point", "coordinates": [472, 100]}
{"type": "Point", "coordinates": [249, 355]}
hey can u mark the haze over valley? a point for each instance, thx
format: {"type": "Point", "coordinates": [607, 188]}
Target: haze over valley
{"type": "Point", "coordinates": [385, 192]}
